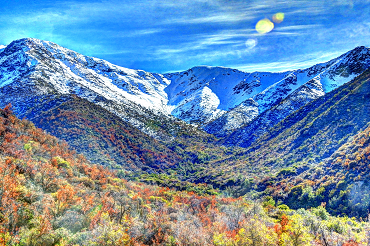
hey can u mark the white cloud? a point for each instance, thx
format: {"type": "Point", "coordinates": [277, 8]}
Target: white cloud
{"type": "Point", "coordinates": [251, 43]}
{"type": "Point", "coordinates": [199, 30]}
{"type": "Point", "coordinates": [137, 33]}
{"type": "Point", "coordinates": [215, 18]}
{"type": "Point", "coordinates": [203, 42]}
{"type": "Point", "coordinates": [361, 29]}
{"type": "Point", "coordinates": [301, 62]}
{"type": "Point", "coordinates": [297, 27]}
{"type": "Point", "coordinates": [41, 17]}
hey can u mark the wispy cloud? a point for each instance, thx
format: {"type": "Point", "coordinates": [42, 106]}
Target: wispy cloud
{"type": "Point", "coordinates": [231, 38]}
{"type": "Point", "coordinates": [362, 29]}
{"type": "Point", "coordinates": [39, 17]}
{"type": "Point", "coordinates": [300, 62]}
{"type": "Point", "coordinates": [215, 18]}
{"type": "Point", "coordinates": [298, 27]}
{"type": "Point", "coordinates": [217, 12]}
{"type": "Point", "coordinates": [205, 58]}
{"type": "Point", "coordinates": [132, 33]}
{"type": "Point", "coordinates": [145, 32]}
{"type": "Point", "coordinates": [278, 33]}
{"type": "Point", "coordinates": [161, 33]}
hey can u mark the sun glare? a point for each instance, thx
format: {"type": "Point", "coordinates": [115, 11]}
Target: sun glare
{"type": "Point", "coordinates": [264, 26]}
{"type": "Point", "coordinates": [278, 17]}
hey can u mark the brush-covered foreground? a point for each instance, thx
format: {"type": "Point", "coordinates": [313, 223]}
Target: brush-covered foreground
{"type": "Point", "coordinates": [49, 195]}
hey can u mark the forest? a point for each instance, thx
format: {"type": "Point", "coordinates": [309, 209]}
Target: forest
{"type": "Point", "coordinates": [51, 195]}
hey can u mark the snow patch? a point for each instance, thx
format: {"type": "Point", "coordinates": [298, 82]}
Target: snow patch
{"type": "Point", "coordinates": [199, 95]}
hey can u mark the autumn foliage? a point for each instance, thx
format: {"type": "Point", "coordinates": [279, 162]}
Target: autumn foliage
{"type": "Point", "coordinates": [49, 195]}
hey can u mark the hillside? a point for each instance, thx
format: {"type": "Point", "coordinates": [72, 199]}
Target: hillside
{"type": "Point", "coordinates": [256, 127]}
{"type": "Point", "coordinates": [52, 196]}
{"type": "Point", "coordinates": [101, 136]}
{"type": "Point", "coordinates": [340, 181]}
{"type": "Point", "coordinates": [284, 97]}
{"type": "Point", "coordinates": [318, 129]}
{"type": "Point", "coordinates": [296, 150]}
{"type": "Point", "coordinates": [107, 140]}
{"type": "Point", "coordinates": [32, 68]}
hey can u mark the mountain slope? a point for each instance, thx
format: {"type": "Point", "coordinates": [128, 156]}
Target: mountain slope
{"type": "Point", "coordinates": [108, 140]}
{"type": "Point", "coordinates": [345, 177]}
{"type": "Point", "coordinates": [101, 136]}
{"type": "Point", "coordinates": [52, 196]}
{"type": "Point", "coordinates": [51, 67]}
{"type": "Point", "coordinates": [258, 126]}
{"type": "Point", "coordinates": [202, 94]}
{"type": "Point", "coordinates": [37, 68]}
{"type": "Point", "coordinates": [284, 100]}
{"type": "Point", "coordinates": [233, 119]}
{"type": "Point", "coordinates": [318, 129]}
{"type": "Point", "coordinates": [299, 143]}
{"type": "Point", "coordinates": [340, 181]}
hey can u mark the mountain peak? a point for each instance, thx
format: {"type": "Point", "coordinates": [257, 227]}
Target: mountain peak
{"type": "Point", "coordinates": [49, 68]}
{"type": "Point", "coordinates": [202, 69]}
{"type": "Point", "coordinates": [361, 47]}
{"type": "Point", "coordinates": [212, 68]}
{"type": "Point", "coordinates": [359, 50]}
{"type": "Point", "coordinates": [26, 42]}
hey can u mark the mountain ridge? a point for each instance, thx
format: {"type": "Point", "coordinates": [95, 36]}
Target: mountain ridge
{"type": "Point", "coordinates": [202, 95]}
{"type": "Point", "coordinates": [320, 78]}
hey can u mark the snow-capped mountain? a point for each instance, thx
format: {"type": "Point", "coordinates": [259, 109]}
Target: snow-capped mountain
{"type": "Point", "coordinates": [219, 99]}
{"type": "Point", "coordinates": [258, 126]}
{"type": "Point", "coordinates": [202, 94]}
{"type": "Point", "coordinates": [31, 68]}
{"type": "Point", "coordinates": [292, 92]}
{"type": "Point", "coordinates": [233, 119]}
{"type": "Point", "coordinates": [68, 72]}
{"type": "Point", "coordinates": [214, 96]}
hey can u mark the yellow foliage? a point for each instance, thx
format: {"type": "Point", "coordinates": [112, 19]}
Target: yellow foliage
{"type": "Point", "coordinates": [110, 233]}
{"type": "Point", "coordinates": [255, 232]}
{"type": "Point", "coordinates": [296, 233]}
{"type": "Point", "coordinates": [220, 239]}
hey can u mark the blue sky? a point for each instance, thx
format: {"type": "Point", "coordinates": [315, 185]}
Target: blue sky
{"type": "Point", "coordinates": [164, 35]}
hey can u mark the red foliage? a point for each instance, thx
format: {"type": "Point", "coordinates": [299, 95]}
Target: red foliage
{"type": "Point", "coordinates": [350, 243]}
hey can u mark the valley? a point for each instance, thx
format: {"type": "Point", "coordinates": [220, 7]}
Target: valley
{"type": "Point", "coordinates": [207, 141]}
